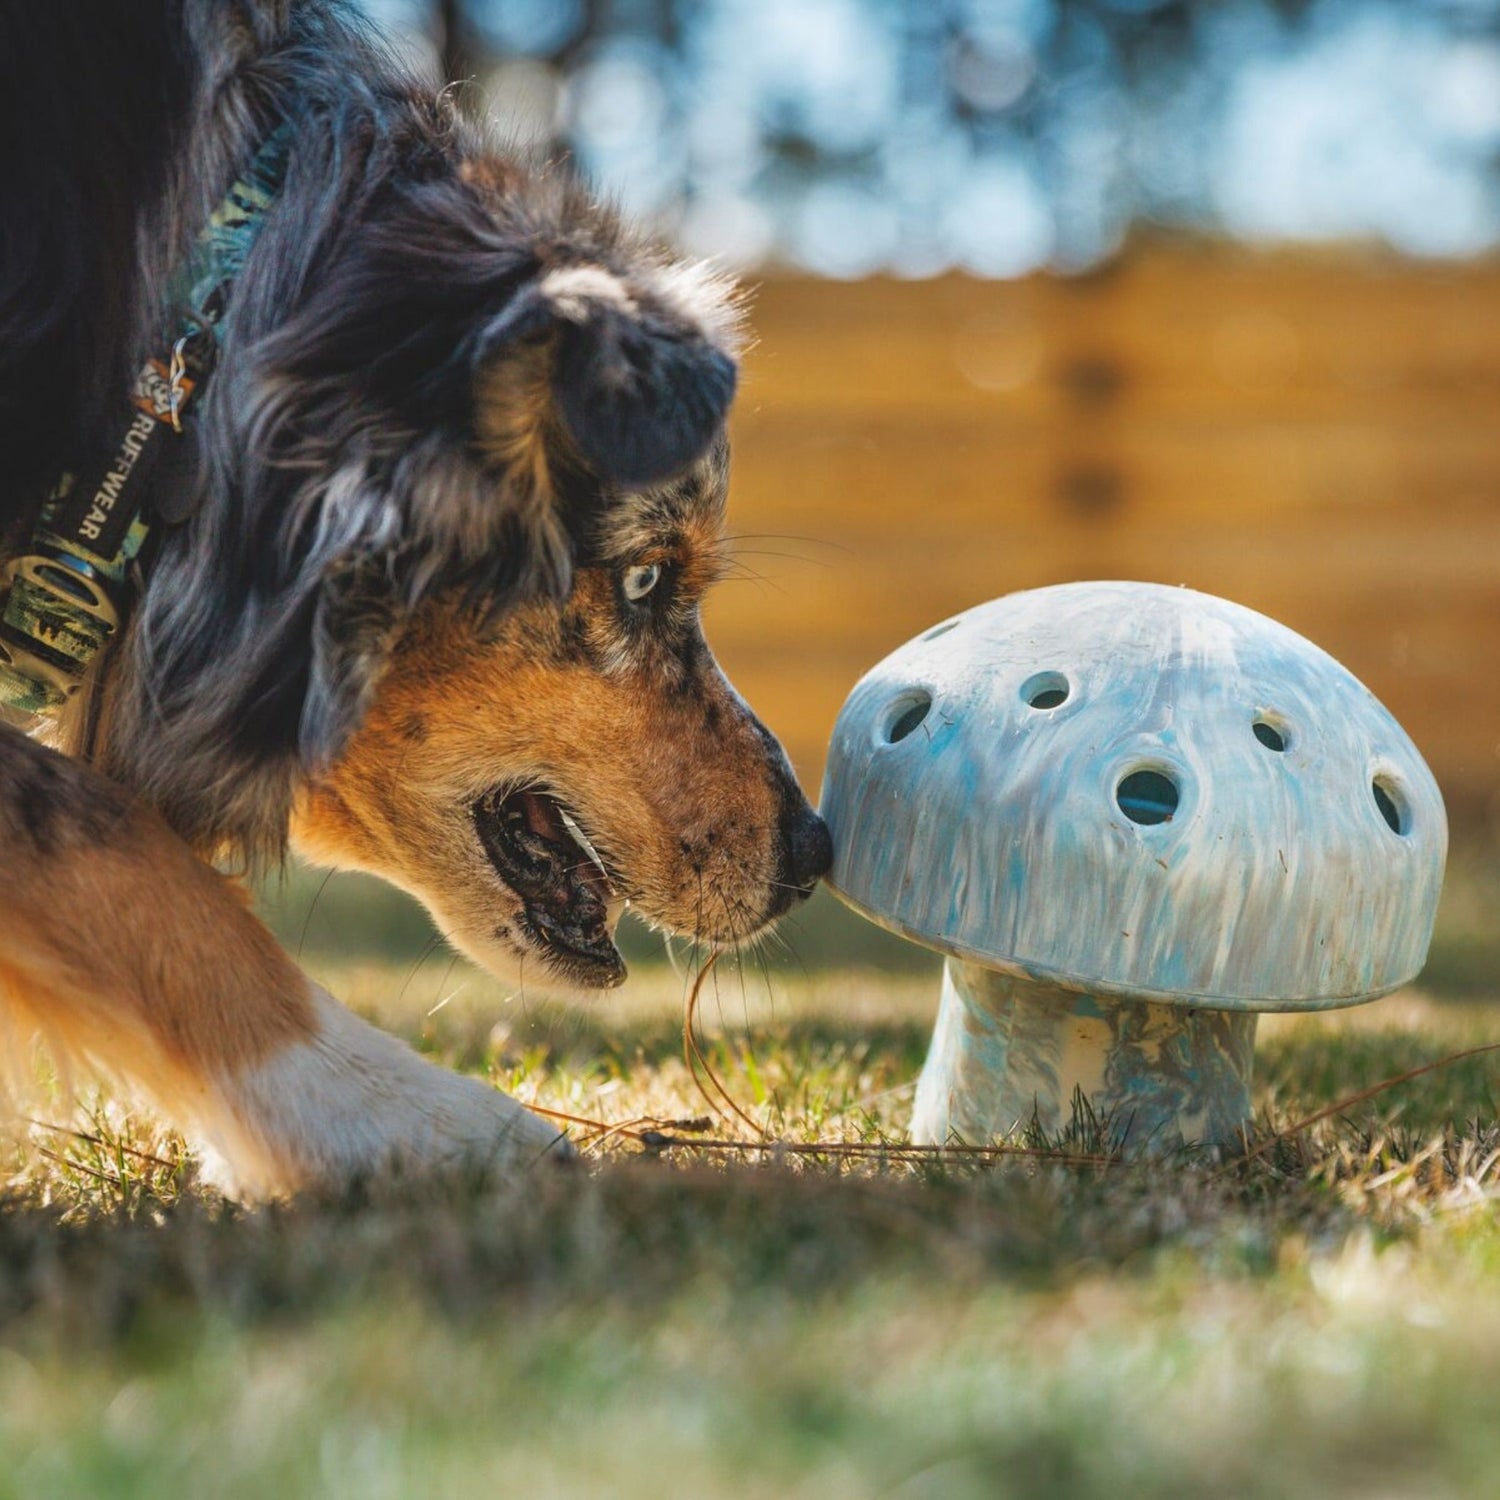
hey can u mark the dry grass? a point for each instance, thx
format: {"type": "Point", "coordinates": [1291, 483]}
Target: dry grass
{"type": "Point", "coordinates": [1323, 1319]}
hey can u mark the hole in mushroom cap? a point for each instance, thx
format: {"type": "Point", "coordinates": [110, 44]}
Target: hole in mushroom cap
{"type": "Point", "coordinates": [1148, 797]}
{"type": "Point", "coordinates": [1391, 803]}
{"type": "Point", "coordinates": [905, 714]}
{"type": "Point", "coordinates": [1045, 690]}
{"type": "Point", "coordinates": [1272, 736]}
{"type": "Point", "coordinates": [938, 630]}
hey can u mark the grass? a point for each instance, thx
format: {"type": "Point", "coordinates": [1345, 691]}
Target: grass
{"type": "Point", "coordinates": [1321, 1320]}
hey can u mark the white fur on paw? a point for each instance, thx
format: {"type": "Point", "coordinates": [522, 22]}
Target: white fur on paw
{"type": "Point", "coordinates": [355, 1101]}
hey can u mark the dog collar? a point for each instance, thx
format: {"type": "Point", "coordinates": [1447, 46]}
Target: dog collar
{"type": "Point", "coordinates": [66, 596]}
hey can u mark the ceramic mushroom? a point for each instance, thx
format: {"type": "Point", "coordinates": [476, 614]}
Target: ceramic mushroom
{"type": "Point", "coordinates": [1132, 817]}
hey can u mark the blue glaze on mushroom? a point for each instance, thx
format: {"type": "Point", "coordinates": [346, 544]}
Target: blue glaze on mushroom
{"type": "Point", "coordinates": [1119, 793]}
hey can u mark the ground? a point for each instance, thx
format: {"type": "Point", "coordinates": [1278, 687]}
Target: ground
{"type": "Point", "coordinates": [1321, 1320]}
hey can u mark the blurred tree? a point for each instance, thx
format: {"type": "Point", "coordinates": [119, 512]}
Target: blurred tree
{"type": "Point", "coordinates": [847, 136]}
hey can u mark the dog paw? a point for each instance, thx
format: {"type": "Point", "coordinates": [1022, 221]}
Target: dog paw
{"type": "Point", "coordinates": [352, 1103]}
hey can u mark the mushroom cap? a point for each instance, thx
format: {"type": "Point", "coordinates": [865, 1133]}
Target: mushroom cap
{"type": "Point", "coordinates": [1138, 790]}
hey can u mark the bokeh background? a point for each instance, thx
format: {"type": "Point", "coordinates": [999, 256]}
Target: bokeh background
{"type": "Point", "coordinates": [1202, 293]}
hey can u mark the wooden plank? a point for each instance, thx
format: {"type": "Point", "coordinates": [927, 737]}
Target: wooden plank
{"type": "Point", "coordinates": [1316, 438]}
{"type": "Point", "coordinates": [1185, 331]}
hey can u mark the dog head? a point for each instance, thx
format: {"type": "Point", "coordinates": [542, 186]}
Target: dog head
{"type": "Point", "coordinates": [465, 493]}
{"type": "Point", "coordinates": [527, 781]}
{"type": "Point", "coordinates": [527, 771]}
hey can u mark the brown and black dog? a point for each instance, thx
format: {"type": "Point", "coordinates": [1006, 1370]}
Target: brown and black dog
{"type": "Point", "coordinates": [419, 587]}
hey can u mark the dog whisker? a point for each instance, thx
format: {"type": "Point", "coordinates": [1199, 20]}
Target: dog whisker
{"type": "Point", "coordinates": [429, 947]}
{"type": "Point", "coordinates": [735, 537]}
{"type": "Point", "coordinates": [812, 562]}
{"type": "Point", "coordinates": [312, 906]}
{"type": "Point", "coordinates": [443, 982]}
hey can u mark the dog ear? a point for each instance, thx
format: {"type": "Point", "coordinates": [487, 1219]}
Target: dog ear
{"type": "Point", "coordinates": [635, 372]}
{"type": "Point", "coordinates": [354, 622]}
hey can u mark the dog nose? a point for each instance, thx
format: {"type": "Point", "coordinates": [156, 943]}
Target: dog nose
{"type": "Point", "coordinates": [809, 849]}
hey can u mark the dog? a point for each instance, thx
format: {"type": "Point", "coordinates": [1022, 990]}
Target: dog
{"type": "Point", "coordinates": [396, 559]}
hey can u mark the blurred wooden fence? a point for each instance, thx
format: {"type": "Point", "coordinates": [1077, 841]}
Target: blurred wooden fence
{"type": "Point", "coordinates": [1318, 438]}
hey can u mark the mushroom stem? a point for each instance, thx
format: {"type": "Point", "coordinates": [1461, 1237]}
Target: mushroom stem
{"type": "Point", "coordinates": [1010, 1052]}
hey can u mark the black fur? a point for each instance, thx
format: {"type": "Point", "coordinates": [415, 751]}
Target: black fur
{"type": "Point", "coordinates": [642, 396]}
{"type": "Point", "coordinates": [47, 805]}
{"type": "Point", "coordinates": [339, 479]}
{"type": "Point", "coordinates": [65, 330]}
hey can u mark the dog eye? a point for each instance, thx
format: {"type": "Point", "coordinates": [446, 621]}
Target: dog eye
{"type": "Point", "coordinates": [639, 582]}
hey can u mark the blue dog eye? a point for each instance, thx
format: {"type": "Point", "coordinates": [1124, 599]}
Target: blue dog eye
{"type": "Point", "coordinates": [640, 581]}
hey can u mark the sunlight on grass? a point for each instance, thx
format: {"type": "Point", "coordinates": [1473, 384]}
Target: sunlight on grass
{"type": "Point", "coordinates": [1323, 1319]}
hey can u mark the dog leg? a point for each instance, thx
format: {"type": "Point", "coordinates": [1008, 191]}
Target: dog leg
{"type": "Point", "coordinates": [121, 948]}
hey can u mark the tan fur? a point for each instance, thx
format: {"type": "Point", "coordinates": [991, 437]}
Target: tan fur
{"type": "Point", "coordinates": [137, 942]}
{"type": "Point", "coordinates": [131, 957]}
{"type": "Point", "coordinates": [498, 178]}
{"type": "Point", "coordinates": [518, 430]}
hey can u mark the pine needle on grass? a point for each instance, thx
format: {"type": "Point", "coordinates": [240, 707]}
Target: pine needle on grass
{"type": "Point", "coordinates": [1349, 1101]}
